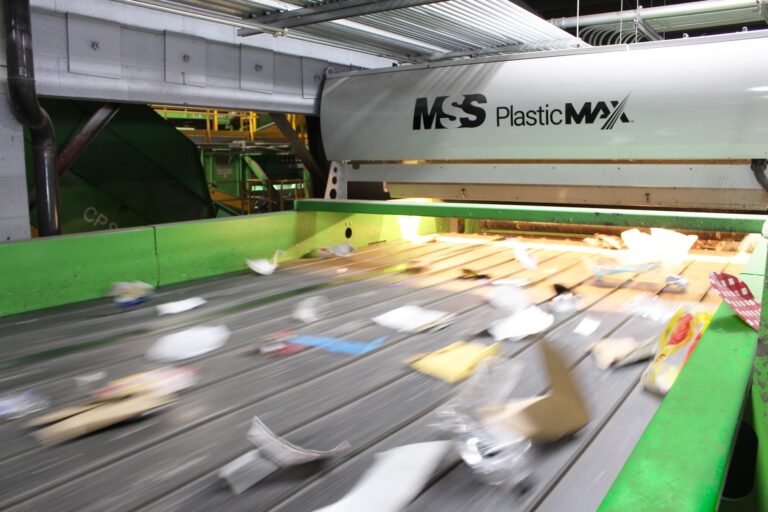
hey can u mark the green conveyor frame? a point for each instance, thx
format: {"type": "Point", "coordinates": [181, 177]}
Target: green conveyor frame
{"type": "Point", "coordinates": [680, 462]}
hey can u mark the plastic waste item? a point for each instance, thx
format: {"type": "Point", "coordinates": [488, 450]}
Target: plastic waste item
{"type": "Point", "coordinates": [17, 405]}
{"type": "Point", "coordinates": [565, 302]}
{"type": "Point", "coordinates": [675, 345]}
{"type": "Point", "coordinates": [526, 259]}
{"type": "Point", "coordinates": [280, 348]}
{"type": "Point", "coordinates": [558, 413]}
{"type": "Point", "coordinates": [587, 326]}
{"type": "Point", "coordinates": [413, 318]}
{"type": "Point", "coordinates": [87, 379]}
{"type": "Point", "coordinates": [246, 471]}
{"type": "Point", "coordinates": [468, 274]}
{"type": "Point", "coordinates": [531, 320]}
{"type": "Point", "coordinates": [661, 245]}
{"type": "Point", "coordinates": [394, 480]}
{"type": "Point", "coordinates": [509, 298]}
{"type": "Point", "coordinates": [73, 422]}
{"type": "Point", "coordinates": [282, 452]}
{"type": "Point", "coordinates": [341, 250]}
{"type": "Point", "coordinates": [127, 294]}
{"type": "Point", "coordinates": [455, 362]}
{"type": "Point", "coordinates": [679, 283]}
{"type": "Point", "coordinates": [159, 382]}
{"type": "Point", "coordinates": [311, 309]}
{"type": "Point", "coordinates": [617, 352]}
{"type": "Point", "coordinates": [497, 457]}
{"type": "Point", "coordinates": [653, 308]}
{"type": "Point", "coordinates": [602, 270]}
{"type": "Point", "coordinates": [605, 241]}
{"type": "Point", "coordinates": [263, 266]}
{"type": "Point", "coordinates": [179, 306]}
{"type": "Point", "coordinates": [738, 296]}
{"type": "Point", "coordinates": [355, 348]}
{"type": "Point", "coordinates": [189, 343]}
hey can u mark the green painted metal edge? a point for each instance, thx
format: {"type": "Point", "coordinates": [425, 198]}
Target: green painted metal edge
{"type": "Point", "coordinates": [681, 460]}
{"type": "Point", "coordinates": [736, 223]}
{"type": "Point", "coordinates": [48, 272]}
{"type": "Point", "coordinates": [194, 250]}
{"type": "Point", "coordinates": [41, 273]}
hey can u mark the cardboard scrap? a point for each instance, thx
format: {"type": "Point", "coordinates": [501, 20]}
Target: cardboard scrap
{"type": "Point", "coordinates": [455, 362]}
{"type": "Point", "coordinates": [160, 382]}
{"type": "Point", "coordinates": [395, 479]}
{"type": "Point", "coordinates": [468, 273]}
{"type": "Point", "coordinates": [72, 422]}
{"type": "Point", "coordinates": [616, 352]}
{"type": "Point", "coordinates": [545, 418]}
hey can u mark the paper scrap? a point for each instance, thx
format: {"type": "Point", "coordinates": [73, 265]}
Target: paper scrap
{"type": "Point", "coordinates": [263, 266]}
{"type": "Point", "coordinates": [531, 320]}
{"type": "Point", "coordinates": [587, 326]}
{"type": "Point", "coordinates": [341, 250]}
{"type": "Point", "coordinates": [545, 418]}
{"type": "Point", "coordinates": [24, 403]}
{"type": "Point", "coordinates": [282, 452]}
{"type": "Point", "coordinates": [394, 480]}
{"type": "Point", "coordinates": [738, 296]}
{"type": "Point", "coordinates": [190, 343]}
{"type": "Point", "coordinates": [455, 362]}
{"type": "Point", "coordinates": [247, 470]}
{"type": "Point", "coordinates": [171, 308]}
{"type": "Point", "coordinates": [519, 282]}
{"type": "Point", "coordinates": [354, 348]}
{"type": "Point", "coordinates": [610, 351]}
{"type": "Point", "coordinates": [413, 319]}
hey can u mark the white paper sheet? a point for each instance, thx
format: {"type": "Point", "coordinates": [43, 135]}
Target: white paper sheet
{"type": "Point", "coordinates": [587, 326]}
{"type": "Point", "coordinates": [529, 321]}
{"type": "Point", "coordinates": [395, 478]}
{"type": "Point", "coordinates": [412, 319]}
{"type": "Point", "coordinates": [189, 343]}
{"type": "Point", "coordinates": [171, 308]}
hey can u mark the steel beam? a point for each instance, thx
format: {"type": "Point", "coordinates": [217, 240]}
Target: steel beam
{"type": "Point", "coordinates": [329, 12]}
{"type": "Point", "coordinates": [319, 176]}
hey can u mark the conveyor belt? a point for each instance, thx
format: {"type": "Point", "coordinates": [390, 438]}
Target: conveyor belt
{"type": "Point", "coordinates": [316, 398]}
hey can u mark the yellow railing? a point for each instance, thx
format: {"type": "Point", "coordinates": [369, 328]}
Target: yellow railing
{"type": "Point", "coordinates": [245, 123]}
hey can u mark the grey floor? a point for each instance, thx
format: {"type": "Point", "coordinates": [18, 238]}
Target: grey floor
{"type": "Point", "coordinates": [318, 399]}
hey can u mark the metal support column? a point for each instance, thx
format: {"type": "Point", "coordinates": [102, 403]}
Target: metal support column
{"type": "Point", "coordinates": [319, 175]}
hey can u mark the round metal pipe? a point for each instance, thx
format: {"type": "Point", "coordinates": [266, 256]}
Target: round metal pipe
{"type": "Point", "coordinates": [23, 98]}
{"type": "Point", "coordinates": [650, 13]}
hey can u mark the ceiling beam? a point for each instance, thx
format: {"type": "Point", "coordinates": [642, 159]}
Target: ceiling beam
{"type": "Point", "coordinates": [329, 12]}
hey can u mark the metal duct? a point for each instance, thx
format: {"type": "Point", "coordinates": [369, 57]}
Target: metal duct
{"type": "Point", "coordinates": [23, 98]}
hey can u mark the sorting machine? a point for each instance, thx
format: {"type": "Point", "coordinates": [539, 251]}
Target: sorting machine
{"type": "Point", "coordinates": [666, 134]}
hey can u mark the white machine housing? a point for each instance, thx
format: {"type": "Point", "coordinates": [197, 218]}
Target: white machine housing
{"type": "Point", "coordinates": [677, 124]}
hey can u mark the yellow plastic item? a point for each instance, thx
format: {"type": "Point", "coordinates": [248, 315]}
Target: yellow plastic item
{"type": "Point", "coordinates": [455, 362]}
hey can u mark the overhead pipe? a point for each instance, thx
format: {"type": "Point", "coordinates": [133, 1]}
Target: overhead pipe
{"type": "Point", "coordinates": [27, 109]}
{"type": "Point", "coordinates": [650, 13]}
{"type": "Point", "coordinates": [78, 143]}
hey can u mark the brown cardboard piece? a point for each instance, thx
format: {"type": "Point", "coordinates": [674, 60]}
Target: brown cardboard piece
{"type": "Point", "coordinates": [545, 418]}
{"type": "Point", "coordinates": [72, 422]}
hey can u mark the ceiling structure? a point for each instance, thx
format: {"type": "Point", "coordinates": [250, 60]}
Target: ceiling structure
{"type": "Point", "coordinates": [431, 30]}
